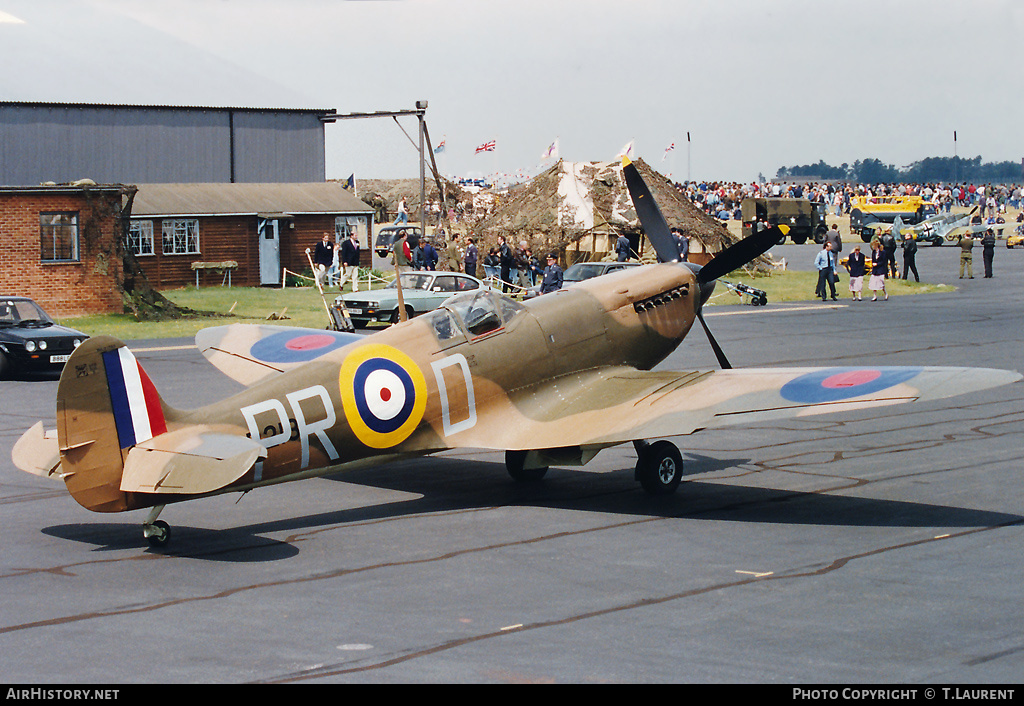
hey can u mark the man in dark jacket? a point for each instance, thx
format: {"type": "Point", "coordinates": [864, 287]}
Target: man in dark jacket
{"type": "Point", "coordinates": [622, 248]}
{"type": "Point", "coordinates": [909, 255]}
{"type": "Point", "coordinates": [552, 281]}
{"type": "Point", "coordinates": [471, 257]}
{"type": "Point", "coordinates": [889, 248]}
{"type": "Point", "coordinates": [350, 261]}
{"type": "Point", "coordinates": [323, 257]}
{"type": "Point", "coordinates": [507, 260]}
{"type": "Point", "coordinates": [988, 250]}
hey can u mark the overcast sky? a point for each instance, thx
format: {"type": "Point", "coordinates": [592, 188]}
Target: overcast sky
{"type": "Point", "coordinates": [758, 84]}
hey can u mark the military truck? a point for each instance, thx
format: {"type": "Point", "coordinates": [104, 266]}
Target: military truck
{"type": "Point", "coordinates": [806, 219]}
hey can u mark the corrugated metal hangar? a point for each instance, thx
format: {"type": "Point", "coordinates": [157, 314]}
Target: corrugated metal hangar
{"type": "Point", "coordinates": [65, 142]}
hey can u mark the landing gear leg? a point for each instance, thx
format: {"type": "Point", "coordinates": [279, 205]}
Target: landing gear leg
{"type": "Point", "coordinates": [659, 466]}
{"type": "Point", "coordinates": [157, 532]}
{"type": "Point", "coordinates": [515, 464]}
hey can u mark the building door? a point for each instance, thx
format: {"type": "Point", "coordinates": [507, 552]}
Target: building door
{"type": "Point", "coordinates": [270, 250]}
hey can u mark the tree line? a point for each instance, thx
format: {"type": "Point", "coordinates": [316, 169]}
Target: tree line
{"type": "Point", "coordinates": [928, 170]}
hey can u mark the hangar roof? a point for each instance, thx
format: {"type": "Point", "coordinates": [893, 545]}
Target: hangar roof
{"type": "Point", "coordinates": [245, 199]}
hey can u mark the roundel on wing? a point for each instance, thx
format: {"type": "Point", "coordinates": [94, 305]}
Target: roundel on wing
{"type": "Point", "coordinates": [298, 346]}
{"type": "Point", "coordinates": [383, 393]}
{"type": "Point", "coordinates": [836, 384]}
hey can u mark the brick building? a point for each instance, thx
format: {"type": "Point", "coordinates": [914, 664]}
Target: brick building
{"type": "Point", "coordinates": [60, 245]}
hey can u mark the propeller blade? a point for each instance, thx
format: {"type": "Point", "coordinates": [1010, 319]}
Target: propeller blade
{"type": "Point", "coordinates": [651, 219]}
{"type": "Point", "coordinates": [719, 353]}
{"type": "Point", "coordinates": [739, 254]}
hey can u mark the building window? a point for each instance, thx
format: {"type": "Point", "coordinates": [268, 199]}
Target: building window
{"type": "Point", "coordinates": [58, 237]}
{"type": "Point", "coordinates": [344, 225]}
{"type": "Point", "coordinates": [181, 237]}
{"type": "Point", "coordinates": [140, 238]}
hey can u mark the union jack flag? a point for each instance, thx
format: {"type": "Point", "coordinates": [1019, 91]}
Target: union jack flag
{"type": "Point", "coordinates": [486, 147]}
{"type": "Point", "coordinates": [667, 150]}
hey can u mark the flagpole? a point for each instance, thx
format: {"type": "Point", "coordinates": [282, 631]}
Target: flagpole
{"type": "Point", "coordinates": [688, 157]}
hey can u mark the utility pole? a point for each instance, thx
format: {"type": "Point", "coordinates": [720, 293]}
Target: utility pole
{"type": "Point", "coordinates": [421, 109]}
{"type": "Point", "coordinates": [420, 113]}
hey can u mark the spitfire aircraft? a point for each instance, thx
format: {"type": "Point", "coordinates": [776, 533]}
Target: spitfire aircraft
{"type": "Point", "coordinates": [549, 382]}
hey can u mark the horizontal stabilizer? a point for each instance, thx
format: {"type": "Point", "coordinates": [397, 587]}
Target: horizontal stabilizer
{"type": "Point", "coordinates": [37, 452]}
{"type": "Point", "coordinates": [189, 461]}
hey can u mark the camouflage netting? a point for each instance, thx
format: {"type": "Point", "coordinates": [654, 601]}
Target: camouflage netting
{"type": "Point", "coordinates": [392, 191]}
{"type": "Point", "coordinates": [583, 207]}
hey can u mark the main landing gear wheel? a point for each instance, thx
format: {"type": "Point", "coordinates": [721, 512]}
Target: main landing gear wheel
{"type": "Point", "coordinates": [659, 467]}
{"type": "Point", "coordinates": [514, 462]}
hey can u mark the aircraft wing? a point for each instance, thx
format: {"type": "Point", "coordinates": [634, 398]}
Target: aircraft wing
{"type": "Point", "coordinates": [250, 353]}
{"type": "Point", "coordinates": [618, 404]}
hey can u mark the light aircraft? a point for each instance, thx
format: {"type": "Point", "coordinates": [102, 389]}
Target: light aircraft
{"type": "Point", "coordinates": [549, 382]}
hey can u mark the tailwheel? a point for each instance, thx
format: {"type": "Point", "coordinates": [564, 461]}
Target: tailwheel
{"type": "Point", "coordinates": [157, 532]}
{"type": "Point", "coordinates": [515, 462]}
{"type": "Point", "coordinates": [659, 467]}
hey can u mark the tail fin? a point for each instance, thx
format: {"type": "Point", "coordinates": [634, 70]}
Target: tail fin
{"type": "Point", "coordinates": [106, 404]}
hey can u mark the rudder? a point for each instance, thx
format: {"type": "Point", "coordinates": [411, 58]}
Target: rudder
{"type": "Point", "coordinates": [106, 404]}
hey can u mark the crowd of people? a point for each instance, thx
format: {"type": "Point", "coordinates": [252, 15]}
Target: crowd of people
{"type": "Point", "coordinates": [518, 269]}
{"type": "Point", "coordinates": [723, 199]}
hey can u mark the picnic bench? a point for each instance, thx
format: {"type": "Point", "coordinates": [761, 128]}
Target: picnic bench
{"type": "Point", "coordinates": [225, 267]}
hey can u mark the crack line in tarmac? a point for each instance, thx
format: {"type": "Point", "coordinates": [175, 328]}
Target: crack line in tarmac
{"type": "Point", "coordinates": [336, 670]}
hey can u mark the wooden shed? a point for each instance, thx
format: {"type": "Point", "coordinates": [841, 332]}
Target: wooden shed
{"type": "Point", "coordinates": [181, 231]}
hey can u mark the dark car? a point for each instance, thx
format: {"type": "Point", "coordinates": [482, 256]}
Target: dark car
{"type": "Point", "coordinates": [30, 340]}
{"type": "Point", "coordinates": [585, 270]}
{"type": "Point", "coordinates": [387, 236]}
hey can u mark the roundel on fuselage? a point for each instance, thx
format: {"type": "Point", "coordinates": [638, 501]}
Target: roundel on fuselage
{"type": "Point", "coordinates": [383, 394]}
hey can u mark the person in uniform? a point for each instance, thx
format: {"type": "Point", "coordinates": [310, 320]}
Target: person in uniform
{"type": "Point", "coordinates": [552, 281]}
{"type": "Point", "coordinates": [966, 244]}
{"type": "Point", "coordinates": [471, 257]}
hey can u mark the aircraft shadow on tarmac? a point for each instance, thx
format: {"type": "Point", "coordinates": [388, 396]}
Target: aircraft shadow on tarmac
{"type": "Point", "coordinates": [446, 484]}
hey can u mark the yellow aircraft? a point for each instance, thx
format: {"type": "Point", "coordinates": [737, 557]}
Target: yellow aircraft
{"type": "Point", "coordinates": [549, 382]}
